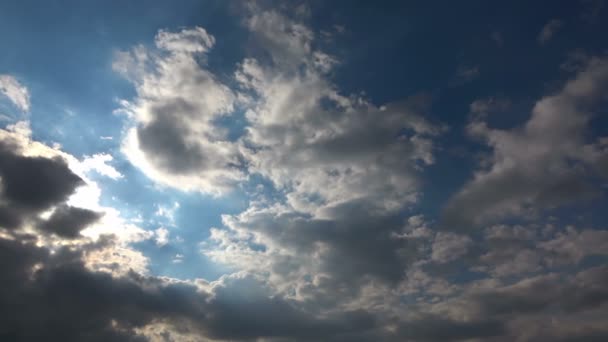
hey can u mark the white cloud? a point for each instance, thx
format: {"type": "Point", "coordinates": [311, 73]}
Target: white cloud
{"type": "Point", "coordinates": [162, 236]}
{"type": "Point", "coordinates": [98, 163]}
{"type": "Point", "coordinates": [15, 92]}
{"type": "Point", "coordinates": [174, 139]}
{"type": "Point", "coordinates": [167, 212]}
{"type": "Point", "coordinates": [321, 147]}
{"type": "Point", "coordinates": [448, 246]}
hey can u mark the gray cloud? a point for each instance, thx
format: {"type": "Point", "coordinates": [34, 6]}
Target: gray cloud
{"type": "Point", "coordinates": [67, 221]}
{"type": "Point", "coordinates": [333, 256]}
{"type": "Point", "coordinates": [17, 93]}
{"type": "Point", "coordinates": [22, 181]}
{"type": "Point", "coordinates": [175, 139]}
{"type": "Point", "coordinates": [543, 164]}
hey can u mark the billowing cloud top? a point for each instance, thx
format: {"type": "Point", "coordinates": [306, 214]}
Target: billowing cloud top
{"type": "Point", "coordinates": [259, 175]}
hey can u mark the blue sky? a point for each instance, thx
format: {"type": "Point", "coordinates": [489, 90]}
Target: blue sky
{"type": "Point", "coordinates": [332, 161]}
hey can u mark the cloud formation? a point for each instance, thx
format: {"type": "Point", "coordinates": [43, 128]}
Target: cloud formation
{"type": "Point", "coordinates": [332, 244]}
{"type": "Point", "coordinates": [17, 93]}
{"type": "Point", "coordinates": [542, 164]}
{"type": "Point", "coordinates": [175, 139]}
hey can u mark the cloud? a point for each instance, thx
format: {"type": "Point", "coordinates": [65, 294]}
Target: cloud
{"type": "Point", "coordinates": [320, 146]}
{"type": "Point", "coordinates": [303, 278]}
{"type": "Point", "coordinates": [330, 247]}
{"type": "Point", "coordinates": [549, 30]}
{"type": "Point", "coordinates": [15, 92]}
{"type": "Point", "coordinates": [67, 221]}
{"type": "Point", "coordinates": [296, 122]}
{"type": "Point", "coordinates": [481, 108]}
{"type": "Point", "coordinates": [53, 272]}
{"type": "Point", "coordinates": [98, 163]}
{"type": "Point", "coordinates": [176, 140]}
{"type": "Point", "coordinates": [123, 308]}
{"type": "Point", "coordinates": [572, 246]}
{"type": "Point", "coordinates": [24, 176]}
{"type": "Point", "coordinates": [540, 293]}
{"type": "Point", "coordinates": [448, 246]}
{"type": "Point", "coordinates": [162, 236]}
{"type": "Point", "coordinates": [465, 74]}
{"type": "Point", "coordinates": [438, 329]}
{"type": "Point", "coordinates": [543, 164]}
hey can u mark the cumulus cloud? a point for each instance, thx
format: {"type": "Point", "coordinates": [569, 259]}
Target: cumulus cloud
{"type": "Point", "coordinates": [449, 246]}
{"type": "Point", "coordinates": [54, 272]}
{"type": "Point", "coordinates": [330, 247]}
{"type": "Point", "coordinates": [23, 176]}
{"type": "Point", "coordinates": [15, 92]}
{"type": "Point", "coordinates": [344, 168]}
{"type": "Point", "coordinates": [320, 146]}
{"type": "Point", "coordinates": [298, 125]}
{"type": "Point", "coordinates": [542, 164]}
{"type": "Point", "coordinates": [67, 221]}
{"type": "Point", "coordinates": [99, 163]}
{"type": "Point", "coordinates": [175, 138]}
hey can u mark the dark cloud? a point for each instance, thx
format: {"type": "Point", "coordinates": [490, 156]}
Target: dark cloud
{"type": "Point", "coordinates": [54, 297]}
{"type": "Point", "coordinates": [354, 234]}
{"type": "Point", "coordinates": [438, 329]}
{"type": "Point", "coordinates": [31, 185]}
{"type": "Point", "coordinates": [67, 221]}
{"type": "Point", "coordinates": [586, 290]}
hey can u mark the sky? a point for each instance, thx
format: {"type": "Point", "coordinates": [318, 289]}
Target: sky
{"type": "Point", "coordinates": [303, 171]}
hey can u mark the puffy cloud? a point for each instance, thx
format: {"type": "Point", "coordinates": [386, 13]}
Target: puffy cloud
{"type": "Point", "coordinates": [298, 125]}
{"type": "Point", "coordinates": [50, 276]}
{"type": "Point", "coordinates": [176, 139]}
{"type": "Point", "coordinates": [22, 178]}
{"type": "Point", "coordinates": [45, 293]}
{"type": "Point", "coordinates": [508, 251]}
{"type": "Point", "coordinates": [449, 246]}
{"type": "Point", "coordinates": [99, 163]}
{"type": "Point", "coordinates": [323, 260]}
{"type": "Point", "coordinates": [542, 164]}
{"type": "Point", "coordinates": [15, 92]}
{"type": "Point", "coordinates": [341, 167]}
{"type": "Point", "coordinates": [582, 291]}
{"type": "Point", "coordinates": [573, 245]}
{"type": "Point", "coordinates": [330, 253]}
{"type": "Point", "coordinates": [162, 236]}
{"type": "Point", "coordinates": [67, 221]}
{"type": "Point", "coordinates": [321, 147]}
